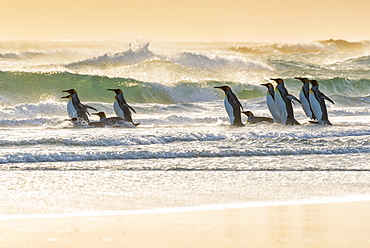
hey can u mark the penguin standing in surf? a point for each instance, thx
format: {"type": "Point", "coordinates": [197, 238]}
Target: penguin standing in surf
{"type": "Point", "coordinates": [283, 102]}
{"type": "Point", "coordinates": [305, 99]}
{"type": "Point", "coordinates": [121, 108]}
{"type": "Point", "coordinates": [75, 108]}
{"type": "Point", "coordinates": [233, 106]}
{"type": "Point", "coordinates": [270, 100]}
{"type": "Point", "coordinates": [71, 110]}
{"type": "Point", "coordinates": [317, 100]}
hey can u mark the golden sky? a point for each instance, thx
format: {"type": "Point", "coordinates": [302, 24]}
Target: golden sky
{"type": "Point", "coordinates": [190, 20]}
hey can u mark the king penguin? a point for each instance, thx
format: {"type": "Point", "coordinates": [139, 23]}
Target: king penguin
{"type": "Point", "coordinates": [270, 99]}
{"type": "Point", "coordinates": [108, 121]}
{"type": "Point", "coordinates": [114, 121]}
{"type": "Point", "coordinates": [232, 106]}
{"type": "Point", "coordinates": [75, 106]}
{"type": "Point", "coordinates": [71, 110]}
{"type": "Point", "coordinates": [121, 108]}
{"type": "Point", "coordinates": [317, 100]}
{"type": "Point", "coordinates": [283, 102]}
{"type": "Point", "coordinates": [253, 119]}
{"type": "Point", "coordinates": [304, 97]}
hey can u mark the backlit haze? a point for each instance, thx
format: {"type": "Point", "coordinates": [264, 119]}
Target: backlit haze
{"type": "Point", "coordinates": [190, 20]}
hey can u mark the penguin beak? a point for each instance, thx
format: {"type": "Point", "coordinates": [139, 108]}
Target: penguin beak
{"type": "Point", "coordinates": [117, 91]}
{"type": "Point", "coordinates": [70, 91]}
{"type": "Point", "coordinates": [304, 80]}
{"type": "Point", "coordinates": [277, 80]}
{"type": "Point", "coordinates": [218, 87]}
{"type": "Point", "coordinates": [264, 85]}
{"type": "Point", "coordinates": [94, 113]}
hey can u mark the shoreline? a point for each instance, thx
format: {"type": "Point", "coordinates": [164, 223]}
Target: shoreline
{"type": "Point", "coordinates": [336, 224]}
{"type": "Point", "coordinates": [170, 210]}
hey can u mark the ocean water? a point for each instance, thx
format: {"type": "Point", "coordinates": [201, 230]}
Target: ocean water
{"type": "Point", "coordinates": [184, 154]}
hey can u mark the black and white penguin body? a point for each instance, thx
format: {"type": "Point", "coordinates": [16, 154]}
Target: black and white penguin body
{"type": "Point", "coordinates": [75, 108]}
{"type": "Point", "coordinates": [121, 108]}
{"type": "Point", "coordinates": [317, 100]}
{"type": "Point", "coordinates": [283, 102]}
{"type": "Point", "coordinates": [305, 99]}
{"type": "Point", "coordinates": [271, 104]}
{"type": "Point", "coordinates": [233, 106]}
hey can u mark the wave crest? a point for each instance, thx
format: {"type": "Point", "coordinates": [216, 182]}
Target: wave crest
{"type": "Point", "coordinates": [330, 45]}
{"type": "Point", "coordinates": [35, 88]}
{"type": "Point", "coordinates": [203, 62]}
{"type": "Point", "coordinates": [129, 57]}
{"type": "Point", "coordinates": [186, 59]}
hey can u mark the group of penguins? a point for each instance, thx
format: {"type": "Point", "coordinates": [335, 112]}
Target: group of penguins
{"type": "Point", "coordinates": [79, 114]}
{"type": "Point", "coordinates": [279, 103]}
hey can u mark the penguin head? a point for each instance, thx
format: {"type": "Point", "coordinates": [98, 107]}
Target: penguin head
{"type": "Point", "coordinates": [100, 114]}
{"type": "Point", "coordinates": [268, 85]}
{"type": "Point", "coordinates": [303, 80]}
{"type": "Point", "coordinates": [224, 88]}
{"type": "Point", "coordinates": [70, 91]}
{"type": "Point", "coordinates": [314, 82]}
{"type": "Point", "coordinates": [278, 80]}
{"type": "Point", "coordinates": [247, 113]}
{"type": "Point", "coordinates": [117, 91]}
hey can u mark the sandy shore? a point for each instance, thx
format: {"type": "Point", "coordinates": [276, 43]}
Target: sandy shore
{"type": "Point", "coordinates": [312, 225]}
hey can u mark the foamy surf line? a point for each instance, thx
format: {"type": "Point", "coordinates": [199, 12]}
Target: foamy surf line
{"type": "Point", "coordinates": [183, 209]}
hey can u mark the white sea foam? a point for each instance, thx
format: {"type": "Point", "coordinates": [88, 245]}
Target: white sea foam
{"type": "Point", "coordinates": [204, 62]}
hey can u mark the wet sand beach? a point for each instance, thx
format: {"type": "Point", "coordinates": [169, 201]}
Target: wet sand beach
{"type": "Point", "coordinates": [323, 225]}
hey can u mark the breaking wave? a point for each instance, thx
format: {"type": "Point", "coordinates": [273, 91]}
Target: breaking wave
{"type": "Point", "coordinates": [22, 92]}
{"type": "Point", "coordinates": [330, 45]}
{"type": "Point", "coordinates": [129, 57]}
{"type": "Point", "coordinates": [21, 87]}
{"type": "Point", "coordinates": [185, 59]}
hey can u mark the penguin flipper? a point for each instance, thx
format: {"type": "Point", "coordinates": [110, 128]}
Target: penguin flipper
{"type": "Point", "coordinates": [326, 98]}
{"type": "Point", "coordinates": [131, 108]}
{"type": "Point", "coordinates": [293, 98]}
{"type": "Point", "coordinates": [238, 103]}
{"type": "Point", "coordinates": [234, 101]}
{"type": "Point", "coordinates": [126, 106]}
{"type": "Point", "coordinates": [82, 112]}
{"type": "Point", "coordinates": [88, 106]}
